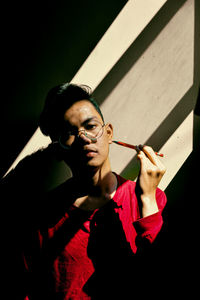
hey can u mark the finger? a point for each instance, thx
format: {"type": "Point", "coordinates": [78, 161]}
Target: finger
{"type": "Point", "coordinates": [151, 155]}
{"type": "Point", "coordinates": [147, 168]}
{"type": "Point", "coordinates": [154, 158]}
{"type": "Point", "coordinates": [146, 163]}
{"type": "Point", "coordinates": [143, 161]}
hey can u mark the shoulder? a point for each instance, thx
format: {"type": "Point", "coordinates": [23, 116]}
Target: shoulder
{"type": "Point", "coordinates": [36, 172]}
{"type": "Point", "coordinates": [125, 184]}
{"type": "Point", "coordinates": [125, 194]}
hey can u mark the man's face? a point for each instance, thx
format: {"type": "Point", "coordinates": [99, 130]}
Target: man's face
{"type": "Point", "coordinates": [85, 152]}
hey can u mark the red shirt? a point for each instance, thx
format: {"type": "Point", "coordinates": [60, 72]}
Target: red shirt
{"type": "Point", "coordinates": [80, 253]}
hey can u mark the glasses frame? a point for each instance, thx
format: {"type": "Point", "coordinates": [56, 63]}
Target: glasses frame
{"type": "Point", "coordinates": [78, 135]}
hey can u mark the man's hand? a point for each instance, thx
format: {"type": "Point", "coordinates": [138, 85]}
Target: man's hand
{"type": "Point", "coordinates": [151, 172]}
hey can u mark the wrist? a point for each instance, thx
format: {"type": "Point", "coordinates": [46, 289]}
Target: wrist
{"type": "Point", "coordinates": [148, 205]}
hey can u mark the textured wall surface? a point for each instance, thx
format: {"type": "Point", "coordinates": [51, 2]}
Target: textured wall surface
{"type": "Point", "coordinates": [141, 58]}
{"type": "Point", "coordinates": [142, 73]}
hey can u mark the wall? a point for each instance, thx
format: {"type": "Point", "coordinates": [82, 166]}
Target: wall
{"type": "Point", "coordinates": [144, 68]}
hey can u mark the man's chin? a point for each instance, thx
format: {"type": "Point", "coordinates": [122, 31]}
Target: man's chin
{"type": "Point", "coordinates": [91, 166]}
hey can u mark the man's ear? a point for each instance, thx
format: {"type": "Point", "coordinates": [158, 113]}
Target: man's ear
{"type": "Point", "coordinates": [109, 131]}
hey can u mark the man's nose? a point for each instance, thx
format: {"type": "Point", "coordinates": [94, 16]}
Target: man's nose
{"type": "Point", "coordinates": [84, 137]}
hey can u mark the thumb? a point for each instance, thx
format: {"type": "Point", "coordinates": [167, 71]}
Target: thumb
{"type": "Point", "coordinates": [142, 158]}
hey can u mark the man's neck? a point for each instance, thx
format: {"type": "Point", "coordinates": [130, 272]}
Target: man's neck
{"type": "Point", "coordinates": [99, 188]}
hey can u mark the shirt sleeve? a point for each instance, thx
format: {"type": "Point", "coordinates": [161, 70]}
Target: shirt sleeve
{"type": "Point", "coordinates": [149, 227]}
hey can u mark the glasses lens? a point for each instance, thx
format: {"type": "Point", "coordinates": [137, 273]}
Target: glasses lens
{"type": "Point", "coordinates": [94, 130]}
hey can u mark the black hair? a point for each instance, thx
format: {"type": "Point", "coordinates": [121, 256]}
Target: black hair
{"type": "Point", "coordinates": [58, 100]}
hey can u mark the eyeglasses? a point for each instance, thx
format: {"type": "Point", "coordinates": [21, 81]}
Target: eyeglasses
{"type": "Point", "coordinates": [92, 130]}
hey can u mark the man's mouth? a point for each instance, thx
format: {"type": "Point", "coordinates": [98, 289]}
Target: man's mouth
{"type": "Point", "coordinates": [90, 152]}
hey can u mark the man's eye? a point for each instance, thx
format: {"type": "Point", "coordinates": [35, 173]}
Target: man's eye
{"type": "Point", "coordinates": [90, 126]}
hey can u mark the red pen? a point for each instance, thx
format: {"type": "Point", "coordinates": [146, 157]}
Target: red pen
{"type": "Point", "coordinates": [137, 148]}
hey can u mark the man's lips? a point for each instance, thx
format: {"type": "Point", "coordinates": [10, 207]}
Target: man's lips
{"type": "Point", "coordinates": [90, 152]}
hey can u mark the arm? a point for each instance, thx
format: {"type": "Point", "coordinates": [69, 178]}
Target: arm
{"type": "Point", "coordinates": [151, 172]}
{"type": "Point", "coordinates": [151, 200]}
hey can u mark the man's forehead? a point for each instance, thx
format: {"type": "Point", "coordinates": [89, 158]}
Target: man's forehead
{"type": "Point", "coordinates": [81, 110]}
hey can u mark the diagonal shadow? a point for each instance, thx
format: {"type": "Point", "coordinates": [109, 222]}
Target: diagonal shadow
{"type": "Point", "coordinates": [196, 121]}
{"type": "Point", "coordinates": [165, 130]}
{"type": "Point", "coordinates": [184, 187]}
{"type": "Point", "coordinates": [196, 54]}
{"type": "Point", "coordinates": [135, 51]}
{"type": "Point", "coordinates": [132, 54]}
{"type": "Point", "coordinates": [53, 51]}
{"type": "Point", "coordinates": [127, 61]}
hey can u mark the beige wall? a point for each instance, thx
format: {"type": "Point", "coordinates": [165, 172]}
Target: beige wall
{"type": "Point", "coordinates": [142, 71]}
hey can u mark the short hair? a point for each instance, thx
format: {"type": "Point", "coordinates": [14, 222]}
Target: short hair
{"type": "Point", "coordinates": [58, 100]}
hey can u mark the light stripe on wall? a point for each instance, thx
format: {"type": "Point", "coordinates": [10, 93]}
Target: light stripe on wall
{"type": "Point", "coordinates": [150, 90]}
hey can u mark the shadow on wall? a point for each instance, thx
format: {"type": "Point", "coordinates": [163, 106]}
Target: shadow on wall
{"type": "Point", "coordinates": [175, 246]}
{"type": "Point", "coordinates": [136, 50]}
{"type": "Point", "coordinates": [169, 125]}
{"type": "Point", "coordinates": [166, 129]}
{"type": "Point", "coordinates": [42, 45]}
{"type": "Point", "coordinates": [127, 61]}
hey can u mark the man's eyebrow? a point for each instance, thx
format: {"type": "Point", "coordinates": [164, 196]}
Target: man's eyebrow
{"type": "Point", "coordinates": [85, 122]}
{"type": "Point", "coordinates": [89, 119]}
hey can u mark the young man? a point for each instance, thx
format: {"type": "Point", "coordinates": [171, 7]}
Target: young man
{"type": "Point", "coordinates": [90, 229]}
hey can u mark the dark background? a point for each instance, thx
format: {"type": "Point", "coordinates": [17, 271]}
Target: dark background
{"type": "Point", "coordinates": [44, 44]}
